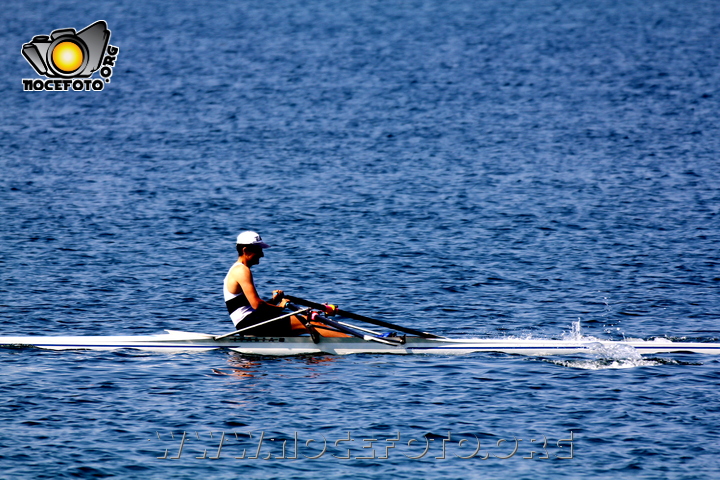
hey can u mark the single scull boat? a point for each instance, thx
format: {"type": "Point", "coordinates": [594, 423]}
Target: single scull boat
{"type": "Point", "coordinates": [362, 340]}
{"type": "Point", "coordinates": [185, 341]}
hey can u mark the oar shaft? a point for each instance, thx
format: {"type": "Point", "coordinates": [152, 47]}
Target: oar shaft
{"type": "Point", "coordinates": [339, 326]}
{"type": "Point", "coordinates": [355, 333]}
{"type": "Point", "coordinates": [362, 318]}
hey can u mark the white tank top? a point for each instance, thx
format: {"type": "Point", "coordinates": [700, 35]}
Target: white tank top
{"type": "Point", "coordinates": [237, 314]}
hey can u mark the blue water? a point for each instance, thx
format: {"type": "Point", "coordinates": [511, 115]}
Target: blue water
{"type": "Point", "coordinates": [486, 168]}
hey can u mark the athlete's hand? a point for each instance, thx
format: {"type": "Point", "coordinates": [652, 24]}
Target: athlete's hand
{"type": "Point", "coordinates": [277, 296]}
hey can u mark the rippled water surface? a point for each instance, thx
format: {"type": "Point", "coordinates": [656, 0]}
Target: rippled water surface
{"type": "Point", "coordinates": [487, 168]}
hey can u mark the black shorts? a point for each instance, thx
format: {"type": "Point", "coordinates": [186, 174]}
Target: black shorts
{"type": "Point", "coordinates": [278, 328]}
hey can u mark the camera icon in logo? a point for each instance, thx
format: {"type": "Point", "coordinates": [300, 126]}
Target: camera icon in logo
{"type": "Point", "coordinates": [66, 53]}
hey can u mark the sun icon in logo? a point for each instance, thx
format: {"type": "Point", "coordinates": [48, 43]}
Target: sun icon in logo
{"type": "Point", "coordinates": [67, 56]}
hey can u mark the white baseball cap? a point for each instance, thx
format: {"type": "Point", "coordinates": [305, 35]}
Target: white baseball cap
{"type": "Point", "coordinates": [251, 238]}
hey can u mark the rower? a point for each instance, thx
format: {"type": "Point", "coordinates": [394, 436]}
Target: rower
{"type": "Point", "coordinates": [245, 306]}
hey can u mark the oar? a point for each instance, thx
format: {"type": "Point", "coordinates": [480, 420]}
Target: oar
{"type": "Point", "coordinates": [362, 318]}
{"type": "Point", "coordinates": [368, 338]}
{"type": "Point", "coordinates": [220, 337]}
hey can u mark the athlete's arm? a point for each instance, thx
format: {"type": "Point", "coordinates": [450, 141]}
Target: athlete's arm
{"type": "Point", "coordinates": [244, 279]}
{"type": "Point", "coordinates": [243, 276]}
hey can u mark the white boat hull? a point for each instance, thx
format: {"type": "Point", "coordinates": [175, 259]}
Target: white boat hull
{"type": "Point", "coordinates": [278, 346]}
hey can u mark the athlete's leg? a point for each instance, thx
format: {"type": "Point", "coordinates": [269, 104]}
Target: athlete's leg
{"type": "Point", "coordinates": [298, 328]}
